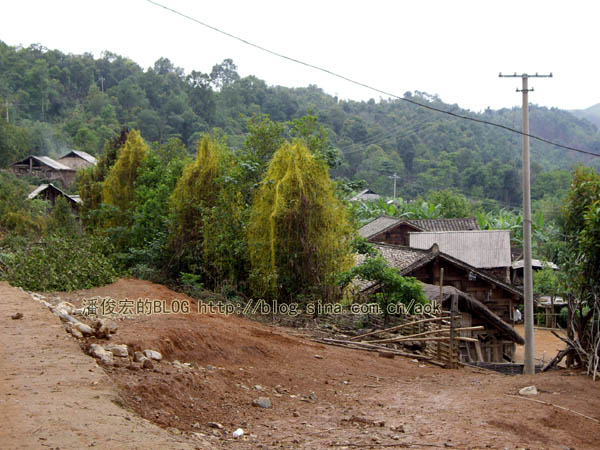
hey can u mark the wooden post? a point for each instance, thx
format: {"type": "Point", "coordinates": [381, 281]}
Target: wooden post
{"type": "Point", "coordinates": [453, 359]}
{"type": "Point", "coordinates": [439, 344]}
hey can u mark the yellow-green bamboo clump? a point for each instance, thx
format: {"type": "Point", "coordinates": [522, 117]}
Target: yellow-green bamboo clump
{"type": "Point", "coordinates": [299, 232]}
{"type": "Point", "coordinates": [197, 190]}
{"type": "Point", "coordinates": [119, 187]}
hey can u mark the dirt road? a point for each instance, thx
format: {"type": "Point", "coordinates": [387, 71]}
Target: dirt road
{"type": "Point", "coordinates": [546, 345]}
{"type": "Point", "coordinates": [322, 397]}
{"type": "Point", "coordinates": [54, 396]}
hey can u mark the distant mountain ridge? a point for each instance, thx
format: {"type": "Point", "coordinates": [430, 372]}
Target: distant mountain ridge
{"type": "Point", "coordinates": [592, 114]}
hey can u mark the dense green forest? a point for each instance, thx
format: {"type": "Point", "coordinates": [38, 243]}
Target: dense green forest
{"type": "Point", "coordinates": [56, 101]}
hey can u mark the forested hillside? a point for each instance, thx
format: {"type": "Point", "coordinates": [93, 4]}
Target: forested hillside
{"type": "Point", "coordinates": [55, 101]}
{"type": "Point", "coordinates": [592, 114]}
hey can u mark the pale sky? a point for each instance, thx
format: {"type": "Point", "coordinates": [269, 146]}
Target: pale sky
{"type": "Point", "coordinates": [451, 48]}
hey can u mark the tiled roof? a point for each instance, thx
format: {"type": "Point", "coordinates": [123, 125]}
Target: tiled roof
{"type": "Point", "coordinates": [446, 224]}
{"type": "Point", "coordinates": [377, 226]}
{"type": "Point", "coordinates": [483, 249]}
{"type": "Point", "coordinates": [382, 223]}
{"type": "Point", "coordinates": [400, 257]}
{"type": "Point", "coordinates": [408, 260]}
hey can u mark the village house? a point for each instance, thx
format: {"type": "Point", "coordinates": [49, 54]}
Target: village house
{"type": "Point", "coordinates": [476, 267]}
{"type": "Point", "coordinates": [366, 196]}
{"type": "Point", "coordinates": [487, 250]}
{"type": "Point", "coordinates": [483, 299]}
{"type": "Point", "coordinates": [50, 193]}
{"type": "Point", "coordinates": [77, 160]}
{"type": "Point", "coordinates": [48, 169]}
{"type": "Point", "coordinates": [516, 275]}
{"type": "Point", "coordinates": [45, 168]}
{"type": "Point", "coordinates": [395, 230]}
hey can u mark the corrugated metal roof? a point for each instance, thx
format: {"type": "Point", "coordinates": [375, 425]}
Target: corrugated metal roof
{"type": "Point", "coordinates": [534, 263]}
{"type": "Point", "coordinates": [377, 226]}
{"type": "Point", "coordinates": [483, 249]}
{"type": "Point", "coordinates": [408, 260]}
{"type": "Point", "coordinates": [366, 195]}
{"type": "Point", "coordinates": [83, 155]}
{"type": "Point", "coordinates": [75, 198]}
{"type": "Point", "coordinates": [50, 162]}
{"type": "Point", "coordinates": [42, 187]}
{"type": "Point", "coordinates": [446, 224]}
{"type": "Point", "coordinates": [44, 160]}
{"type": "Point", "coordinates": [37, 190]}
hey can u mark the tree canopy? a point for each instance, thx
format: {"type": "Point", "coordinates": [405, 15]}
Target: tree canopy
{"type": "Point", "coordinates": [299, 233]}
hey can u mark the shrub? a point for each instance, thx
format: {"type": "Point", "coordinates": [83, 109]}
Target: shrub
{"type": "Point", "coordinates": [59, 263]}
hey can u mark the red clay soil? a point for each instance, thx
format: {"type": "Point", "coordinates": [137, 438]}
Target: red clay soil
{"type": "Point", "coordinates": [546, 345]}
{"type": "Point", "coordinates": [329, 397]}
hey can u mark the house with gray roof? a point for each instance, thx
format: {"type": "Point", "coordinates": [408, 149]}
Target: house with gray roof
{"type": "Point", "coordinates": [366, 196]}
{"type": "Point", "coordinates": [77, 160]}
{"type": "Point", "coordinates": [487, 250]}
{"type": "Point", "coordinates": [51, 193]}
{"type": "Point", "coordinates": [396, 230]}
{"type": "Point", "coordinates": [45, 168]}
{"type": "Point", "coordinates": [487, 300]}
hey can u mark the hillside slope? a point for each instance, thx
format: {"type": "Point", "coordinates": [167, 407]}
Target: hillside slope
{"type": "Point", "coordinates": [61, 101]}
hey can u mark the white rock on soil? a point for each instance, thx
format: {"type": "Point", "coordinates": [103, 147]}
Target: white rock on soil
{"type": "Point", "coordinates": [66, 306]}
{"type": "Point", "coordinates": [97, 351]}
{"type": "Point", "coordinates": [153, 354]}
{"type": "Point", "coordinates": [262, 402]}
{"type": "Point", "coordinates": [119, 350]}
{"type": "Point", "coordinates": [76, 333]}
{"type": "Point", "coordinates": [64, 315]}
{"type": "Point", "coordinates": [238, 433]}
{"type": "Point", "coordinates": [86, 330]}
{"type": "Point", "coordinates": [528, 390]}
{"type": "Point", "coordinates": [104, 327]}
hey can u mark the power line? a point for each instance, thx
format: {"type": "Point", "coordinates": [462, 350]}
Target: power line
{"type": "Point", "coordinates": [380, 91]}
{"type": "Point", "coordinates": [382, 138]}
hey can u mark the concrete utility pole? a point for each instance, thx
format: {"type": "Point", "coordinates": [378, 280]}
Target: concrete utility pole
{"type": "Point", "coordinates": [395, 177]}
{"type": "Point", "coordinates": [529, 368]}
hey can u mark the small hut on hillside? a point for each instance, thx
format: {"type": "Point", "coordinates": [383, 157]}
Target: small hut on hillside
{"type": "Point", "coordinates": [44, 168]}
{"type": "Point", "coordinates": [366, 196]}
{"type": "Point", "coordinates": [77, 160]}
{"type": "Point", "coordinates": [50, 193]}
